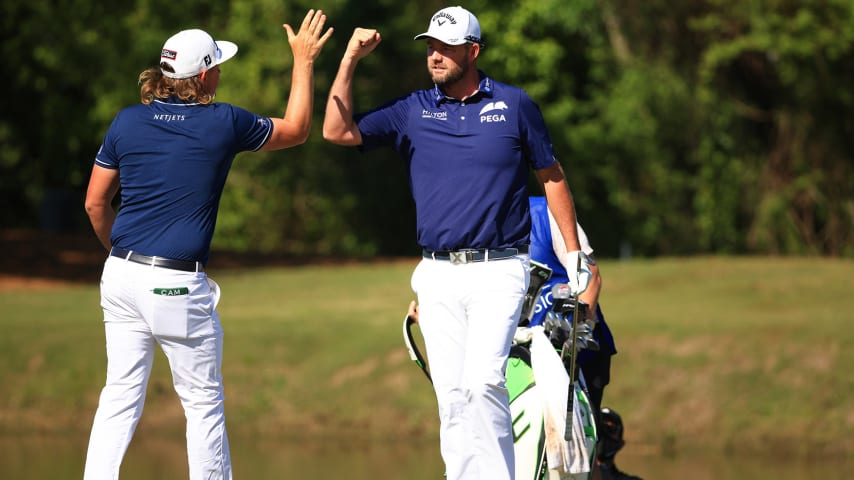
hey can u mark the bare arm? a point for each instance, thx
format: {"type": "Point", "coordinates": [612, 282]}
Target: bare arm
{"type": "Point", "coordinates": [591, 295]}
{"type": "Point", "coordinates": [338, 124]}
{"type": "Point", "coordinates": [559, 200]}
{"type": "Point", "coordinates": [560, 204]}
{"type": "Point", "coordinates": [103, 185]}
{"type": "Point", "coordinates": [293, 128]}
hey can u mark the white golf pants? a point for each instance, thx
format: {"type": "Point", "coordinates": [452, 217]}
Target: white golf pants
{"type": "Point", "coordinates": [468, 314]}
{"type": "Point", "coordinates": [145, 306]}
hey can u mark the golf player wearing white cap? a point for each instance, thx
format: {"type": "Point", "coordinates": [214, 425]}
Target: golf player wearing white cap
{"type": "Point", "coordinates": [171, 155]}
{"type": "Point", "coordinates": [468, 143]}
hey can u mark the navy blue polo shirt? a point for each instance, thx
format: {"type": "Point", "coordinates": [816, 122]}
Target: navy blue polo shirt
{"type": "Point", "coordinates": [468, 161]}
{"type": "Point", "coordinates": [173, 159]}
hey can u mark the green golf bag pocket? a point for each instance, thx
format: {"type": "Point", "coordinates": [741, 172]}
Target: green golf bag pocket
{"type": "Point", "coordinates": [526, 410]}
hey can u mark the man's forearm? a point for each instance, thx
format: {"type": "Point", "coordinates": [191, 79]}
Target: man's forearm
{"type": "Point", "coordinates": [102, 219]}
{"type": "Point", "coordinates": [559, 201]}
{"type": "Point", "coordinates": [301, 99]}
{"type": "Point", "coordinates": [590, 296]}
{"type": "Point", "coordinates": [338, 123]}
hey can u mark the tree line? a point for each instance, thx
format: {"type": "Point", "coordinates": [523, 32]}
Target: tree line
{"type": "Point", "coordinates": [701, 127]}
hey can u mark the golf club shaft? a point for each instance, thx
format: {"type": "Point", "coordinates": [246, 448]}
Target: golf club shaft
{"type": "Point", "coordinates": [573, 352]}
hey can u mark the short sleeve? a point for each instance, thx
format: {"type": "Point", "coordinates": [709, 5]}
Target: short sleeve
{"type": "Point", "coordinates": [382, 126]}
{"type": "Point", "coordinates": [535, 136]}
{"type": "Point", "coordinates": [252, 130]}
{"type": "Point", "coordinates": [107, 156]}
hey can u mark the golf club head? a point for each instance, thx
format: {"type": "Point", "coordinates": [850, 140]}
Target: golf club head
{"type": "Point", "coordinates": [586, 342]}
{"type": "Point", "coordinates": [523, 336]}
{"type": "Point", "coordinates": [562, 299]}
{"type": "Point", "coordinates": [592, 345]}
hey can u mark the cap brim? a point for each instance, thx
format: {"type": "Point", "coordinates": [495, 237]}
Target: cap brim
{"type": "Point", "coordinates": [228, 49]}
{"type": "Point", "coordinates": [427, 35]}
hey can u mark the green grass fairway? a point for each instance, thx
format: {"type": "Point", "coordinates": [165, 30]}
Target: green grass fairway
{"type": "Point", "coordinates": [730, 354]}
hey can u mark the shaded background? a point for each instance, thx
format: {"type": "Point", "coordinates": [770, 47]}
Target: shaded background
{"type": "Point", "coordinates": [715, 126]}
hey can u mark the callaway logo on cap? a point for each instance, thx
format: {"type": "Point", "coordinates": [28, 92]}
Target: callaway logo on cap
{"type": "Point", "coordinates": [454, 26]}
{"type": "Point", "coordinates": [191, 52]}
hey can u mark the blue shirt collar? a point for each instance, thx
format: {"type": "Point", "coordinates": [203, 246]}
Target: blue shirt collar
{"type": "Point", "coordinates": [174, 100]}
{"type": "Point", "coordinates": [485, 88]}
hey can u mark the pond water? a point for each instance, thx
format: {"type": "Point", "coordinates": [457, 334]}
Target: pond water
{"type": "Point", "coordinates": [152, 458]}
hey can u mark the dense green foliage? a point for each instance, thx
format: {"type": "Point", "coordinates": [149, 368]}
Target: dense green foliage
{"type": "Point", "coordinates": [686, 127]}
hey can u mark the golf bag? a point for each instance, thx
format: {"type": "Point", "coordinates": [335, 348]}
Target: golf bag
{"type": "Point", "coordinates": [527, 397]}
{"type": "Point", "coordinates": [526, 409]}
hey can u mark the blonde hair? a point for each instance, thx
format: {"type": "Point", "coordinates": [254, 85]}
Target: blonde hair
{"type": "Point", "coordinates": [153, 84]}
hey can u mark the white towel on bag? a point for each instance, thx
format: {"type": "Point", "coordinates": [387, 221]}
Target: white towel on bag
{"type": "Point", "coordinates": [566, 459]}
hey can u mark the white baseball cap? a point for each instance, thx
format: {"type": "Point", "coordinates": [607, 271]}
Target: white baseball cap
{"type": "Point", "coordinates": [191, 52]}
{"type": "Point", "coordinates": [454, 26]}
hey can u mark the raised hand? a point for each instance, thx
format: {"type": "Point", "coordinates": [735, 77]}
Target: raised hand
{"type": "Point", "coordinates": [307, 43]}
{"type": "Point", "coordinates": [363, 42]}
